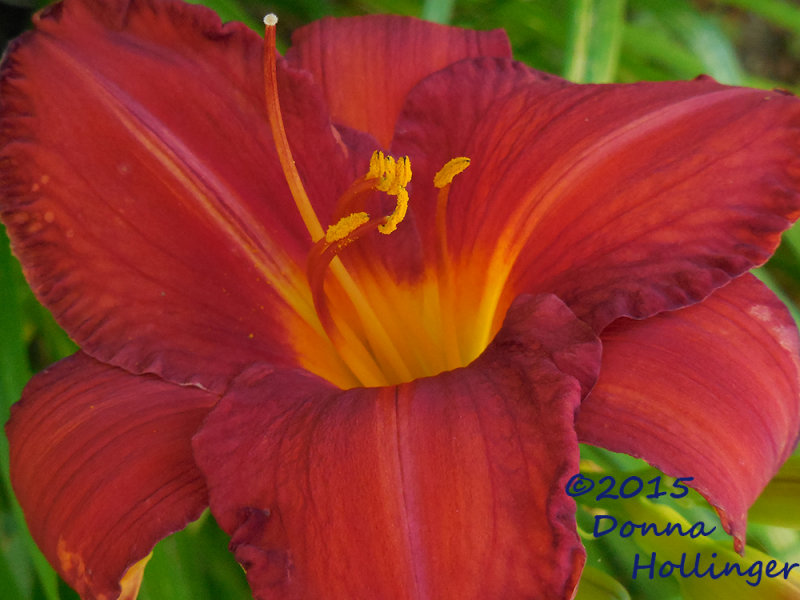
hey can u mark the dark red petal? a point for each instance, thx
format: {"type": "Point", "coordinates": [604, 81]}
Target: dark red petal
{"type": "Point", "coordinates": [367, 65]}
{"type": "Point", "coordinates": [624, 200]}
{"type": "Point", "coordinates": [709, 392]}
{"type": "Point", "coordinates": [142, 192]}
{"type": "Point", "coordinates": [449, 487]}
{"type": "Point", "coordinates": [440, 121]}
{"type": "Point", "coordinates": [101, 463]}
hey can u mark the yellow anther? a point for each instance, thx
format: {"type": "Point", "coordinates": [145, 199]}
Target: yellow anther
{"type": "Point", "coordinates": [402, 174]}
{"type": "Point", "coordinates": [398, 215]}
{"type": "Point", "coordinates": [392, 175]}
{"type": "Point", "coordinates": [376, 162]}
{"type": "Point", "coordinates": [377, 165]}
{"type": "Point", "coordinates": [345, 226]}
{"type": "Point", "coordinates": [452, 167]}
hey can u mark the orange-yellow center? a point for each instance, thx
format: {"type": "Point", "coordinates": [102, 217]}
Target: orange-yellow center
{"type": "Point", "coordinates": [381, 331]}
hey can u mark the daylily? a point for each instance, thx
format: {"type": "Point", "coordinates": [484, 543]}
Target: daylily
{"type": "Point", "coordinates": [364, 300]}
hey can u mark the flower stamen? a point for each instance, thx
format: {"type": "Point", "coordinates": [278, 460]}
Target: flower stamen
{"type": "Point", "coordinates": [392, 177]}
{"type": "Point", "coordinates": [443, 180]}
{"type": "Point", "coordinates": [454, 166]}
{"type": "Point", "coordinates": [345, 226]}
{"type": "Point", "coordinates": [398, 215]}
{"type": "Point", "coordinates": [385, 174]}
{"type": "Point", "coordinates": [358, 352]}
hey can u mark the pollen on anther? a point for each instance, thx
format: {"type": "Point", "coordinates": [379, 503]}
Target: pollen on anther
{"type": "Point", "coordinates": [391, 175]}
{"type": "Point", "coordinates": [398, 215]}
{"type": "Point", "coordinates": [452, 167]}
{"type": "Point", "coordinates": [345, 226]}
{"type": "Point", "coordinates": [271, 20]}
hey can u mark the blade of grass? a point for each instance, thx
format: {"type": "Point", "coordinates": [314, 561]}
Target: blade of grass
{"type": "Point", "coordinates": [50, 342]}
{"type": "Point", "coordinates": [231, 10]}
{"type": "Point", "coordinates": [699, 33]}
{"type": "Point", "coordinates": [598, 585]}
{"type": "Point", "coordinates": [14, 372]}
{"type": "Point", "coordinates": [594, 40]}
{"type": "Point", "coordinates": [766, 277]}
{"type": "Point", "coordinates": [438, 11]}
{"type": "Point", "coordinates": [647, 43]}
{"type": "Point", "coordinates": [777, 504]}
{"type": "Point", "coordinates": [778, 12]}
{"type": "Point", "coordinates": [194, 564]}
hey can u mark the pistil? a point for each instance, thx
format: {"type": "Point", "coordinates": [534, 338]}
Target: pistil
{"type": "Point", "coordinates": [360, 353]}
{"type": "Point", "coordinates": [279, 133]}
{"type": "Point", "coordinates": [368, 345]}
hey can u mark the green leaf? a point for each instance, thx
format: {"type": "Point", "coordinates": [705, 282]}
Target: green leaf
{"type": "Point", "coordinates": [651, 53]}
{"type": "Point", "coordinates": [594, 40]}
{"type": "Point", "coordinates": [710, 556]}
{"type": "Point", "coordinates": [438, 11]}
{"type": "Point", "coordinates": [231, 10]}
{"type": "Point", "coordinates": [767, 278]}
{"type": "Point", "coordinates": [22, 560]}
{"type": "Point", "coordinates": [712, 47]}
{"type": "Point", "coordinates": [781, 13]}
{"type": "Point", "coordinates": [597, 585]}
{"type": "Point", "coordinates": [698, 33]}
{"type": "Point", "coordinates": [194, 564]}
{"type": "Point", "coordinates": [778, 503]}
{"type": "Point", "coordinates": [14, 367]}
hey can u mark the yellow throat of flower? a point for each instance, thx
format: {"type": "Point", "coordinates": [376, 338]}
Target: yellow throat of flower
{"type": "Point", "coordinates": [374, 351]}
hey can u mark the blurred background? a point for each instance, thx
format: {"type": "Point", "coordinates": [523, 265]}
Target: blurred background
{"type": "Point", "coordinates": [739, 42]}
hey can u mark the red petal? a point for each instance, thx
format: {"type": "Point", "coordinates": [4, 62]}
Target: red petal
{"type": "Point", "coordinates": [367, 65]}
{"type": "Point", "coordinates": [101, 463]}
{"type": "Point", "coordinates": [439, 122]}
{"type": "Point", "coordinates": [620, 199]}
{"type": "Point", "coordinates": [709, 392]}
{"type": "Point", "coordinates": [149, 198]}
{"type": "Point", "coordinates": [448, 487]}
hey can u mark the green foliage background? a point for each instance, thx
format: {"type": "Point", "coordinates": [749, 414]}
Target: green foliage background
{"type": "Point", "coordinates": [742, 42]}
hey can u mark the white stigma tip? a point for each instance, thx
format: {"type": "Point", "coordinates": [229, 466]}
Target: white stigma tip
{"type": "Point", "coordinates": [271, 20]}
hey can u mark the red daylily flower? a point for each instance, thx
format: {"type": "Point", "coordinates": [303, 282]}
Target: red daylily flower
{"type": "Point", "coordinates": [370, 415]}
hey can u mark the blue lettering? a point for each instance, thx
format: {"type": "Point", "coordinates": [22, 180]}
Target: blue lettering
{"type": "Point", "coordinates": [668, 567]}
{"type": "Point", "coordinates": [731, 567]}
{"type": "Point", "coordinates": [651, 566]}
{"type": "Point", "coordinates": [649, 528]}
{"type": "Point", "coordinates": [787, 568]}
{"type": "Point", "coordinates": [771, 565]}
{"type": "Point", "coordinates": [596, 531]}
{"type": "Point", "coordinates": [627, 529]}
{"type": "Point", "coordinates": [670, 529]}
{"type": "Point", "coordinates": [753, 574]}
{"type": "Point", "coordinates": [753, 571]}
{"type": "Point", "coordinates": [698, 529]}
{"type": "Point", "coordinates": [695, 568]}
{"type": "Point", "coordinates": [711, 572]}
{"type": "Point", "coordinates": [758, 566]}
